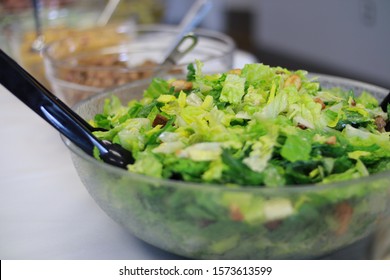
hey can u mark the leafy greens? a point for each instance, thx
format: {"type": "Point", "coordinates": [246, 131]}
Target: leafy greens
{"type": "Point", "coordinates": [256, 126]}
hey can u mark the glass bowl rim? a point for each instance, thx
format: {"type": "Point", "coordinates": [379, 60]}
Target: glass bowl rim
{"type": "Point", "coordinates": [164, 28]}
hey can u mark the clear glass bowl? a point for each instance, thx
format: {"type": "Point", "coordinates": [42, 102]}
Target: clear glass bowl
{"type": "Point", "coordinates": [60, 19]}
{"type": "Point", "coordinates": [81, 66]}
{"type": "Point", "coordinates": [203, 221]}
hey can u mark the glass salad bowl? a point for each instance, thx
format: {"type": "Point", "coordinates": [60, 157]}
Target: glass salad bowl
{"type": "Point", "coordinates": [205, 221]}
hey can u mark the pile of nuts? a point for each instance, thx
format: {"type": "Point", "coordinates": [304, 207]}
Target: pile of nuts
{"type": "Point", "coordinates": [105, 71]}
{"type": "Point", "coordinates": [101, 72]}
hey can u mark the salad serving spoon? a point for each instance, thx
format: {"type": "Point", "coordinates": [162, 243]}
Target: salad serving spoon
{"type": "Point", "coordinates": [31, 92]}
{"type": "Point", "coordinates": [184, 41]}
{"type": "Point", "coordinates": [107, 12]}
{"type": "Point", "coordinates": [385, 102]}
{"type": "Point", "coordinates": [192, 19]}
{"type": "Point", "coordinates": [384, 105]}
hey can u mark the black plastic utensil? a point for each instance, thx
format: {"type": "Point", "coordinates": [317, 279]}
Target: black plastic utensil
{"type": "Point", "coordinates": [385, 102]}
{"type": "Point", "coordinates": [25, 87]}
{"type": "Point", "coordinates": [384, 105]}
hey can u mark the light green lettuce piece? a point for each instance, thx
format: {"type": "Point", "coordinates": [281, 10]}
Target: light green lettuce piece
{"type": "Point", "coordinates": [130, 124]}
{"type": "Point", "coordinates": [114, 110]}
{"type": "Point", "coordinates": [350, 131]}
{"type": "Point", "coordinates": [167, 136]}
{"type": "Point", "coordinates": [169, 147]}
{"type": "Point", "coordinates": [166, 98]}
{"type": "Point", "coordinates": [306, 111]}
{"type": "Point", "coordinates": [276, 105]}
{"type": "Point", "coordinates": [182, 99]}
{"type": "Point", "coordinates": [357, 154]}
{"type": "Point", "coordinates": [218, 117]}
{"type": "Point", "coordinates": [296, 147]}
{"type": "Point", "coordinates": [147, 164]}
{"type": "Point", "coordinates": [204, 83]}
{"type": "Point", "coordinates": [367, 100]}
{"type": "Point", "coordinates": [333, 117]}
{"type": "Point", "coordinates": [255, 96]}
{"type": "Point", "coordinates": [360, 137]}
{"type": "Point", "coordinates": [112, 106]}
{"type": "Point", "coordinates": [214, 172]}
{"type": "Point", "coordinates": [299, 107]}
{"type": "Point", "coordinates": [351, 173]}
{"type": "Point", "coordinates": [360, 167]}
{"type": "Point", "coordinates": [198, 69]}
{"type": "Point", "coordinates": [131, 137]}
{"type": "Point", "coordinates": [191, 114]}
{"type": "Point", "coordinates": [327, 96]}
{"type": "Point", "coordinates": [258, 73]}
{"type": "Point", "coordinates": [172, 108]}
{"type": "Point", "coordinates": [208, 103]}
{"type": "Point", "coordinates": [233, 89]}
{"type": "Point", "coordinates": [206, 151]}
{"type": "Point", "coordinates": [194, 100]}
{"type": "Point", "coordinates": [262, 150]}
{"type": "Point", "coordinates": [357, 171]}
{"type": "Point", "coordinates": [157, 87]}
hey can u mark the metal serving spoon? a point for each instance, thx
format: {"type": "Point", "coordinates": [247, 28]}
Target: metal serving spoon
{"type": "Point", "coordinates": [185, 40]}
{"type": "Point", "coordinates": [184, 46]}
{"type": "Point", "coordinates": [107, 12]}
{"type": "Point", "coordinates": [25, 87]}
{"type": "Point", "coordinates": [39, 41]}
{"type": "Point", "coordinates": [193, 18]}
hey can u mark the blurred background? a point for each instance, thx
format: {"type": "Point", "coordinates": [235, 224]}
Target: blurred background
{"type": "Point", "coordinates": [349, 38]}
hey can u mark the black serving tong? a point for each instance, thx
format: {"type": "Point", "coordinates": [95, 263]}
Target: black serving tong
{"type": "Point", "coordinates": [25, 87]}
{"type": "Point", "coordinates": [385, 102]}
{"type": "Point", "coordinates": [384, 105]}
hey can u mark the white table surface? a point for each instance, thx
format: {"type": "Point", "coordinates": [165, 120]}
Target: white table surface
{"type": "Point", "coordinates": [45, 211]}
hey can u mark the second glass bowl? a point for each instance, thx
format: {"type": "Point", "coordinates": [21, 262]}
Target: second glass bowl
{"type": "Point", "coordinates": [81, 66]}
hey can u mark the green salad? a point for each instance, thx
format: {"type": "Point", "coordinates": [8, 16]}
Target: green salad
{"type": "Point", "coordinates": [256, 126]}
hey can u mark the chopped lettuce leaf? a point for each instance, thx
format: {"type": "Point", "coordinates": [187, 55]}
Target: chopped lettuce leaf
{"type": "Point", "coordinates": [296, 148]}
{"type": "Point", "coordinates": [366, 99]}
{"type": "Point", "coordinates": [233, 89]}
{"type": "Point", "coordinates": [157, 87]}
{"type": "Point", "coordinates": [191, 72]}
{"type": "Point", "coordinates": [148, 164]}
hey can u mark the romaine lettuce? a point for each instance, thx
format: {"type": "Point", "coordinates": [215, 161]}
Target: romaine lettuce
{"type": "Point", "coordinates": [261, 125]}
